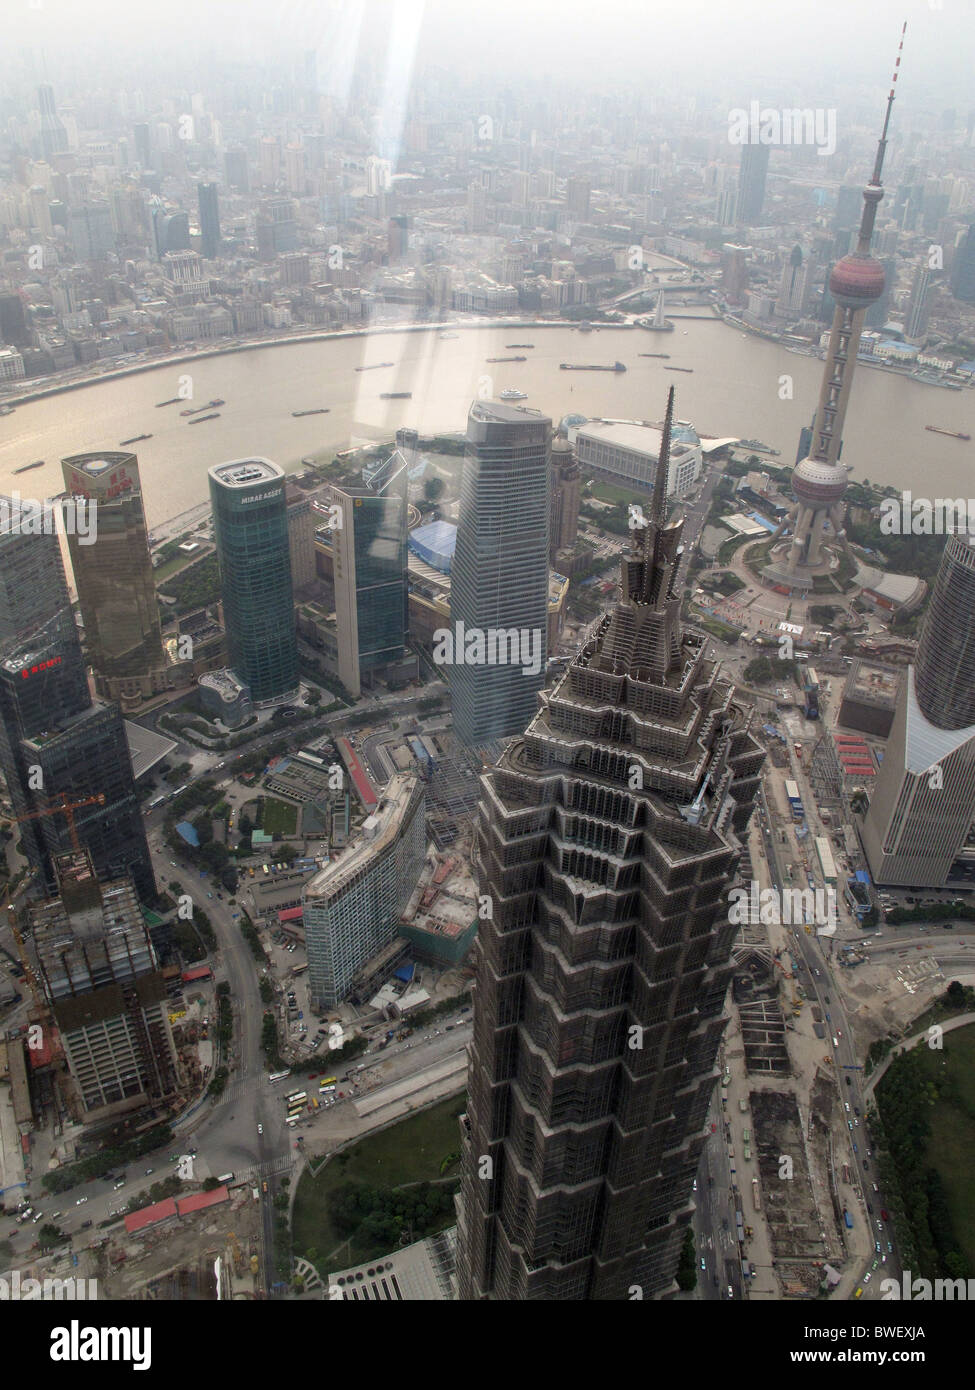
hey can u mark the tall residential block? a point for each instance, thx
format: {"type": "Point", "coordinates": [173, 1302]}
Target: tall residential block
{"type": "Point", "coordinates": [606, 838]}
{"type": "Point", "coordinates": [56, 742]}
{"type": "Point", "coordinates": [250, 527]}
{"type": "Point", "coordinates": [102, 981]}
{"type": "Point", "coordinates": [499, 577]}
{"type": "Point", "coordinates": [918, 826]}
{"type": "Point", "coordinates": [113, 575]}
{"type": "Point", "coordinates": [352, 909]}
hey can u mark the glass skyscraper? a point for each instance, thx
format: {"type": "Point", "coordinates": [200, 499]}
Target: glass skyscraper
{"type": "Point", "coordinates": [371, 593]}
{"type": "Point", "coordinates": [55, 741]}
{"type": "Point", "coordinates": [116, 589]}
{"type": "Point", "coordinates": [499, 576]}
{"type": "Point", "coordinates": [250, 526]}
{"type": "Point", "coordinates": [918, 829]}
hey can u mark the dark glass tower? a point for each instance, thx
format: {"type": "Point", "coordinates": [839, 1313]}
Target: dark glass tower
{"type": "Point", "coordinates": [371, 593]}
{"type": "Point", "coordinates": [209, 206]}
{"type": "Point", "coordinates": [55, 741]}
{"type": "Point", "coordinates": [606, 840]}
{"type": "Point", "coordinates": [945, 669]}
{"type": "Point", "coordinates": [250, 526]}
{"type": "Point", "coordinates": [499, 576]}
{"type": "Point", "coordinates": [918, 830]}
{"type": "Point", "coordinates": [116, 590]}
{"type": "Point", "coordinates": [752, 174]}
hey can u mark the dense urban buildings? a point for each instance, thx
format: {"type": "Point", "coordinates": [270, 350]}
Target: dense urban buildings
{"type": "Point", "coordinates": [919, 822]}
{"type": "Point", "coordinates": [250, 527]}
{"type": "Point", "coordinates": [499, 575]}
{"type": "Point", "coordinates": [102, 982]}
{"type": "Point", "coordinates": [116, 586]}
{"type": "Point", "coordinates": [606, 839]}
{"type": "Point", "coordinates": [353, 908]}
{"type": "Point", "coordinates": [57, 744]}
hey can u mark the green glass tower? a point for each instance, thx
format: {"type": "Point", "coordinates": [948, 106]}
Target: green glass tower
{"type": "Point", "coordinates": [250, 526]}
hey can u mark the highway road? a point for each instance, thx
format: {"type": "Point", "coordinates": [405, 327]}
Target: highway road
{"type": "Point", "coordinates": [820, 987]}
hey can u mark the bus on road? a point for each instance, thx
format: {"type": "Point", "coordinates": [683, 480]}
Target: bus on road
{"type": "Point", "coordinates": [278, 1076]}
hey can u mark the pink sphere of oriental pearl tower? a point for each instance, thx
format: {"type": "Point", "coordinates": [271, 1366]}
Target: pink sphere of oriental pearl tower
{"type": "Point", "coordinates": [857, 281]}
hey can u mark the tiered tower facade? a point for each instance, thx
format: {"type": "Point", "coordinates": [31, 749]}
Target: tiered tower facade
{"type": "Point", "coordinates": [606, 839]}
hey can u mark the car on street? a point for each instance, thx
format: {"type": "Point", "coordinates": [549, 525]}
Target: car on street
{"type": "Point", "coordinates": [260, 1129]}
{"type": "Point", "coordinates": [85, 1225]}
{"type": "Point", "coordinates": [80, 1200]}
{"type": "Point", "coordinates": [149, 1170]}
{"type": "Point", "coordinates": [883, 1213]}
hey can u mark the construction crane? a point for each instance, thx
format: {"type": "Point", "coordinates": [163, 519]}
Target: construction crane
{"type": "Point", "coordinates": [66, 808]}
{"type": "Point", "coordinates": [61, 805]}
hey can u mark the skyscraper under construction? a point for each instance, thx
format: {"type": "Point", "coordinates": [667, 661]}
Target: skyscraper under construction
{"type": "Point", "coordinates": [606, 839]}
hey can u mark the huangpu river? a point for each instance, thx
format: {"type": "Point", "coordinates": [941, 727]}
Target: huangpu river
{"type": "Point", "coordinates": [738, 385]}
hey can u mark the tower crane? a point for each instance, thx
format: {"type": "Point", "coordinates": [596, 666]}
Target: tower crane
{"type": "Point", "coordinates": [63, 806]}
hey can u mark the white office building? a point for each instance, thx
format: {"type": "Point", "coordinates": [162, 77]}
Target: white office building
{"type": "Point", "coordinates": [625, 452]}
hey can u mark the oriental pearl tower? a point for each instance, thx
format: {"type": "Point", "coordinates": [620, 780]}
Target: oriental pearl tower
{"type": "Point", "coordinates": [819, 480]}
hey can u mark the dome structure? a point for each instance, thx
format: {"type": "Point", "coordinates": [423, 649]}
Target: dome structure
{"type": "Point", "coordinates": [818, 483]}
{"type": "Point", "coordinates": [857, 281]}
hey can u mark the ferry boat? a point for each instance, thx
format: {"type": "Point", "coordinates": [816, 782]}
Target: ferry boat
{"type": "Point", "coordinates": [591, 367]}
{"type": "Point", "coordinates": [134, 440]}
{"type": "Point", "coordinates": [374, 366]}
{"type": "Point", "coordinates": [195, 410]}
{"type": "Point", "coordinates": [198, 419]}
{"type": "Point", "coordinates": [689, 370]}
{"type": "Point", "coordinates": [396, 395]}
{"type": "Point", "coordinates": [26, 467]}
{"type": "Point", "coordinates": [173, 400]}
{"type": "Point", "coordinates": [321, 410]}
{"type": "Point", "coordinates": [506, 359]}
{"type": "Point", "coordinates": [952, 434]}
{"type": "Point", "coordinates": [519, 345]}
{"type": "Point", "coordinates": [511, 393]}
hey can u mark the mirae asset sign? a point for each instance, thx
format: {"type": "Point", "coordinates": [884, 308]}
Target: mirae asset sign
{"type": "Point", "coordinates": [262, 496]}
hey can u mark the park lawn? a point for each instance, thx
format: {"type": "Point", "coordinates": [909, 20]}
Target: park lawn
{"type": "Point", "coordinates": [408, 1152]}
{"type": "Point", "coordinates": [280, 817]}
{"type": "Point", "coordinates": [609, 492]}
{"type": "Point", "coordinates": [952, 1140]}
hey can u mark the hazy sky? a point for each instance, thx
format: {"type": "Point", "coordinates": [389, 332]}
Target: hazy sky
{"type": "Point", "coordinates": [729, 43]}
